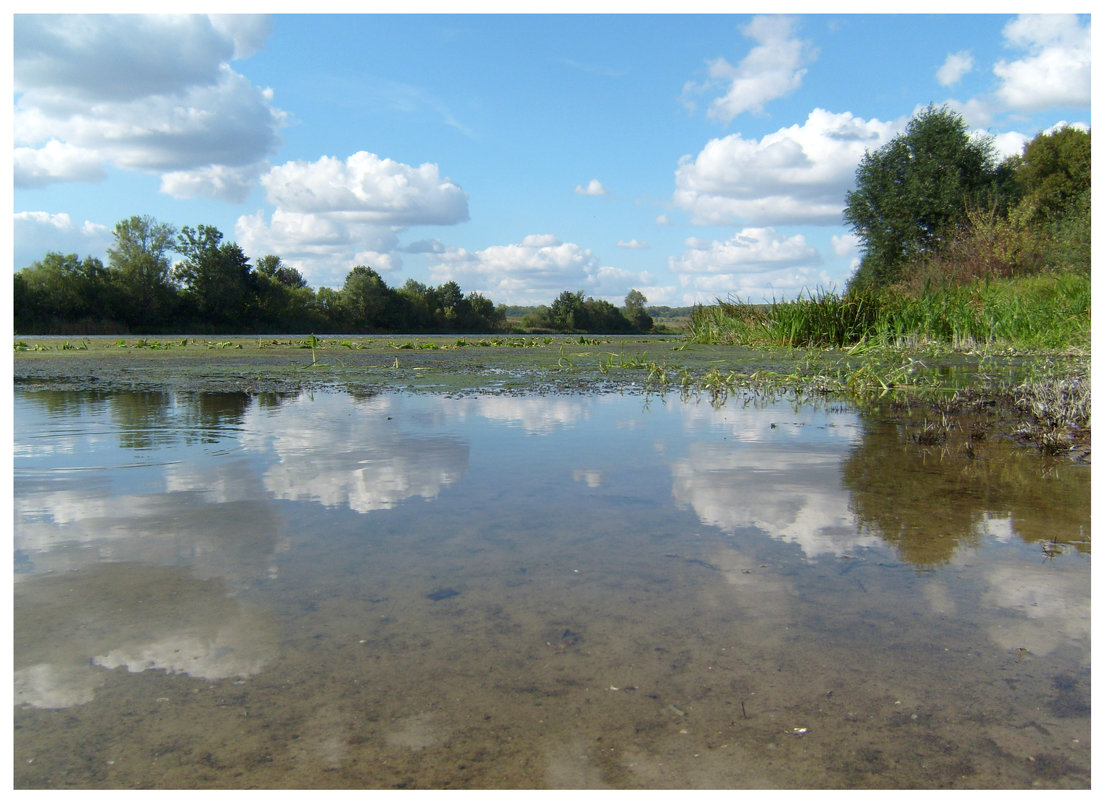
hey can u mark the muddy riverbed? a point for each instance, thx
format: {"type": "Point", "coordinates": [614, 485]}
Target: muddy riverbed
{"type": "Point", "coordinates": [540, 563]}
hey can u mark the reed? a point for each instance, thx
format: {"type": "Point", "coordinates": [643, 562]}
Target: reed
{"type": "Point", "coordinates": [1037, 312]}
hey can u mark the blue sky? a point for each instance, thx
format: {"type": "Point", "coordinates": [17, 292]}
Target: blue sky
{"type": "Point", "coordinates": [691, 157]}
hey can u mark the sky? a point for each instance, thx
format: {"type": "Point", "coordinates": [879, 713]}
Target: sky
{"type": "Point", "coordinates": [691, 157]}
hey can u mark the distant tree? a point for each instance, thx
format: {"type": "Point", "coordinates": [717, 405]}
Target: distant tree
{"type": "Point", "coordinates": [217, 277]}
{"type": "Point", "coordinates": [365, 300]}
{"type": "Point", "coordinates": [538, 318]}
{"type": "Point", "coordinates": [635, 310]}
{"type": "Point", "coordinates": [416, 306]}
{"type": "Point", "coordinates": [568, 311]}
{"type": "Point", "coordinates": [274, 268]}
{"type": "Point", "coordinates": [602, 317]}
{"type": "Point", "coordinates": [62, 289]}
{"type": "Point", "coordinates": [913, 194]}
{"type": "Point", "coordinates": [484, 315]}
{"type": "Point", "coordinates": [328, 304]}
{"type": "Point", "coordinates": [141, 268]}
{"type": "Point", "coordinates": [450, 297]}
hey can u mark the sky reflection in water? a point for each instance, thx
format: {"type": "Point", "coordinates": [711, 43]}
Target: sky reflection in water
{"type": "Point", "coordinates": [188, 534]}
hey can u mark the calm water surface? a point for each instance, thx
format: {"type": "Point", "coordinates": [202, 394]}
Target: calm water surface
{"type": "Point", "coordinates": [559, 591]}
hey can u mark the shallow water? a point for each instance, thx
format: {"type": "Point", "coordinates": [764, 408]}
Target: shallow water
{"type": "Point", "coordinates": [407, 590]}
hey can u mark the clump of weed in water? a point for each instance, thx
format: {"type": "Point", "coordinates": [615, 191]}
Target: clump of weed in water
{"type": "Point", "coordinates": [1057, 409]}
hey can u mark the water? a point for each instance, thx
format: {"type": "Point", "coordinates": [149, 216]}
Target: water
{"type": "Point", "coordinates": [418, 591]}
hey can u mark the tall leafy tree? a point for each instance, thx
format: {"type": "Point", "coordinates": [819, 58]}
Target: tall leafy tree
{"type": "Point", "coordinates": [141, 268]}
{"type": "Point", "coordinates": [912, 195]}
{"type": "Point", "coordinates": [365, 299]}
{"type": "Point", "coordinates": [1054, 177]}
{"type": "Point", "coordinates": [568, 311]}
{"type": "Point", "coordinates": [635, 310]}
{"type": "Point", "coordinates": [217, 276]}
{"type": "Point", "coordinates": [273, 267]}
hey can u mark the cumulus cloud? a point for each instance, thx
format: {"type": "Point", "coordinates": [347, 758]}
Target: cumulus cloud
{"type": "Point", "coordinates": [152, 93]}
{"type": "Point", "coordinates": [1056, 70]}
{"type": "Point", "coordinates": [368, 189]}
{"type": "Point", "coordinates": [323, 247]}
{"type": "Point", "coordinates": [633, 244]}
{"type": "Point", "coordinates": [845, 245]}
{"type": "Point", "coordinates": [425, 246]}
{"type": "Point", "coordinates": [772, 69]}
{"type": "Point", "coordinates": [534, 271]}
{"type": "Point", "coordinates": [754, 264]}
{"type": "Point", "coordinates": [70, 57]}
{"type": "Point", "coordinates": [955, 67]}
{"type": "Point", "coordinates": [39, 232]}
{"type": "Point", "coordinates": [332, 214]}
{"type": "Point", "coordinates": [215, 180]}
{"type": "Point", "coordinates": [798, 174]}
{"type": "Point", "coordinates": [55, 162]}
{"type": "Point", "coordinates": [593, 188]}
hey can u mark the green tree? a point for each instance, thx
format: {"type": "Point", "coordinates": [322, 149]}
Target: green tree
{"type": "Point", "coordinates": [273, 267]}
{"type": "Point", "coordinates": [366, 300]}
{"type": "Point", "coordinates": [141, 268]}
{"type": "Point", "coordinates": [217, 277]}
{"type": "Point", "coordinates": [913, 195]}
{"type": "Point", "coordinates": [483, 314]}
{"type": "Point", "coordinates": [1054, 178]}
{"type": "Point", "coordinates": [62, 289]}
{"type": "Point", "coordinates": [568, 311]}
{"type": "Point", "coordinates": [1054, 172]}
{"type": "Point", "coordinates": [635, 311]}
{"type": "Point", "coordinates": [450, 297]}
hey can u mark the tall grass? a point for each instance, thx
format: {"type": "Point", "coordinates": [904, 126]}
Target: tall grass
{"type": "Point", "coordinates": [1040, 311]}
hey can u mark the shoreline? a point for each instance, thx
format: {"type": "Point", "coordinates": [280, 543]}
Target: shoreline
{"type": "Point", "coordinates": [1039, 399]}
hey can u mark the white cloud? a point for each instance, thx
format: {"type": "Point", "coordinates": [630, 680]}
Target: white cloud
{"type": "Point", "coordinates": [754, 264]}
{"type": "Point", "coordinates": [54, 162]}
{"type": "Point", "coordinates": [323, 247]}
{"type": "Point", "coordinates": [1011, 143]}
{"type": "Point", "coordinates": [633, 244]}
{"type": "Point", "coordinates": [1056, 70]}
{"type": "Point", "coordinates": [956, 66]}
{"type": "Point", "coordinates": [799, 174]}
{"type": "Point", "coordinates": [845, 244]}
{"type": "Point", "coordinates": [772, 69]}
{"type": "Point", "coordinates": [37, 233]}
{"type": "Point", "coordinates": [332, 214]}
{"type": "Point", "coordinates": [593, 188]}
{"type": "Point", "coordinates": [749, 251]}
{"type": "Point", "coordinates": [70, 58]}
{"type": "Point", "coordinates": [369, 189]}
{"type": "Point", "coordinates": [535, 271]}
{"type": "Point", "coordinates": [153, 93]}
{"type": "Point", "coordinates": [424, 246]}
{"type": "Point", "coordinates": [213, 181]}
{"type": "Point", "coordinates": [248, 32]}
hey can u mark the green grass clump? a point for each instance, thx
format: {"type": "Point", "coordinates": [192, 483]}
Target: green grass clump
{"type": "Point", "coordinates": [1035, 312]}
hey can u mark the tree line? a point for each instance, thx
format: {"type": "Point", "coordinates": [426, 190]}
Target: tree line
{"type": "Point", "coordinates": [936, 205]}
{"type": "Point", "coordinates": [214, 288]}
